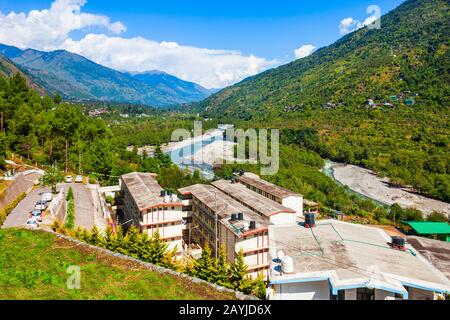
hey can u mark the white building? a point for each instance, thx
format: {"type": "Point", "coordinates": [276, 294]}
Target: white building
{"type": "Point", "coordinates": [146, 203]}
{"type": "Point", "coordinates": [268, 209]}
{"type": "Point", "coordinates": [343, 261]}
{"type": "Point", "coordinates": [237, 227]}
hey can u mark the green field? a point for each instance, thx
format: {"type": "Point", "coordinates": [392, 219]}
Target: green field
{"type": "Point", "coordinates": [33, 265]}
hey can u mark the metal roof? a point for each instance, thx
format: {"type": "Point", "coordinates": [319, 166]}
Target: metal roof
{"type": "Point", "coordinates": [429, 227]}
{"type": "Point", "coordinates": [258, 203]}
{"type": "Point", "coordinates": [270, 188]}
{"type": "Point", "coordinates": [145, 190]}
{"type": "Point", "coordinates": [217, 201]}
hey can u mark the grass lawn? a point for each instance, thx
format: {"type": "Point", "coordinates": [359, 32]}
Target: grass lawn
{"type": "Point", "coordinates": [33, 265]}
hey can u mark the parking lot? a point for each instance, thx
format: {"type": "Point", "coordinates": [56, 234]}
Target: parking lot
{"type": "Point", "coordinates": [20, 214]}
{"type": "Point", "coordinates": [87, 213]}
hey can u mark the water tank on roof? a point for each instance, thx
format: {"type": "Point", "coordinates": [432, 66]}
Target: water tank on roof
{"type": "Point", "coordinates": [252, 225]}
{"type": "Point", "coordinates": [174, 198]}
{"type": "Point", "coordinates": [280, 254]}
{"type": "Point", "coordinates": [233, 217]}
{"type": "Point", "coordinates": [163, 193]}
{"type": "Point", "coordinates": [240, 216]}
{"type": "Point", "coordinates": [287, 264]}
{"type": "Point", "coordinates": [310, 220]}
{"type": "Point", "coordinates": [166, 199]}
{"type": "Point", "coordinates": [398, 243]}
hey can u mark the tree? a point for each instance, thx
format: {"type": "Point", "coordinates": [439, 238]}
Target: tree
{"type": "Point", "coordinates": [51, 177]}
{"type": "Point", "coordinates": [438, 217]}
{"type": "Point", "coordinates": [57, 99]}
{"type": "Point", "coordinates": [158, 249]}
{"type": "Point", "coordinates": [221, 267]}
{"type": "Point", "coordinates": [204, 267]}
{"type": "Point", "coordinates": [238, 273]}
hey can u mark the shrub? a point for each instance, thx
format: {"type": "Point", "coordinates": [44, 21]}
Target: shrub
{"type": "Point", "coordinates": [4, 212]}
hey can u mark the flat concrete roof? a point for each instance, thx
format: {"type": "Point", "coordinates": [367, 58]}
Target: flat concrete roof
{"type": "Point", "coordinates": [145, 190]}
{"type": "Point", "coordinates": [435, 251]}
{"type": "Point", "coordinates": [351, 256]}
{"type": "Point", "coordinates": [217, 201]}
{"type": "Point", "coordinates": [258, 203]}
{"type": "Point", "coordinates": [270, 188]}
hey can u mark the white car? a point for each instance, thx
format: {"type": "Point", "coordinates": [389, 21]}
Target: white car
{"type": "Point", "coordinates": [79, 179]}
{"type": "Point", "coordinates": [36, 215]}
{"type": "Point", "coordinates": [32, 224]}
{"type": "Point", "coordinates": [47, 197]}
{"type": "Point", "coordinates": [39, 207]}
{"type": "Point", "coordinates": [68, 179]}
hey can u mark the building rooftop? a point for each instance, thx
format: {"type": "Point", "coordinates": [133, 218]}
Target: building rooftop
{"type": "Point", "coordinates": [258, 203]}
{"type": "Point", "coordinates": [435, 251]}
{"type": "Point", "coordinates": [225, 206]}
{"type": "Point", "coordinates": [145, 190]}
{"type": "Point", "coordinates": [270, 188]}
{"type": "Point", "coordinates": [423, 227]}
{"type": "Point", "coordinates": [351, 256]}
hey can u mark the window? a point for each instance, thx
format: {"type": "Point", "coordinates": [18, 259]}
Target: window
{"type": "Point", "coordinates": [365, 294]}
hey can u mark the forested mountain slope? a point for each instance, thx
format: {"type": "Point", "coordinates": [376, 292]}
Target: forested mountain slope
{"type": "Point", "coordinates": [409, 53]}
{"type": "Point", "coordinates": [322, 101]}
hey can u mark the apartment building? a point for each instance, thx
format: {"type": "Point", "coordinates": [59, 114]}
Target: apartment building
{"type": "Point", "coordinates": [268, 209]}
{"type": "Point", "coordinates": [152, 208]}
{"type": "Point", "coordinates": [273, 192]}
{"type": "Point", "coordinates": [236, 226]}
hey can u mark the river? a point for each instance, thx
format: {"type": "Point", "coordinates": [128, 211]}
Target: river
{"type": "Point", "coordinates": [368, 185]}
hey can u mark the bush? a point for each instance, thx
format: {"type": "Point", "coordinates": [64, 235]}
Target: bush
{"type": "Point", "coordinates": [437, 217]}
{"type": "Point", "coordinates": [4, 212]}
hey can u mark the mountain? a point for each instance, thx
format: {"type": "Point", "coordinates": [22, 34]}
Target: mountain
{"type": "Point", "coordinates": [408, 54]}
{"type": "Point", "coordinates": [77, 78]}
{"type": "Point", "coordinates": [9, 68]}
{"type": "Point", "coordinates": [189, 91]}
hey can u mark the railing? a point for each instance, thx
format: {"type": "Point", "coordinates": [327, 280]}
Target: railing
{"type": "Point", "coordinates": [56, 203]}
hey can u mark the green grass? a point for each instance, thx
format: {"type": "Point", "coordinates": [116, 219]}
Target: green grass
{"type": "Point", "coordinates": [33, 265]}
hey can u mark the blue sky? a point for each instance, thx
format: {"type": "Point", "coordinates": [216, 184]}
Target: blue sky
{"type": "Point", "coordinates": [271, 30]}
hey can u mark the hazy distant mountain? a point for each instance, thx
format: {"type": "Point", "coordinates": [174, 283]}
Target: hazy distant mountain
{"type": "Point", "coordinates": [189, 91]}
{"type": "Point", "coordinates": [77, 78]}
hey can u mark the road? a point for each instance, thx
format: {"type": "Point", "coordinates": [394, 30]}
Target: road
{"type": "Point", "coordinates": [84, 205]}
{"type": "Point", "coordinates": [22, 183]}
{"type": "Point", "coordinates": [87, 213]}
{"type": "Point", "coordinates": [20, 214]}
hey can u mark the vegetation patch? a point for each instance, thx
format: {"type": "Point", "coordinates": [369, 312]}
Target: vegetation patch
{"type": "Point", "coordinates": [33, 265]}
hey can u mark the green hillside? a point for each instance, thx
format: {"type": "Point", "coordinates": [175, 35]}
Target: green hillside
{"type": "Point", "coordinates": [321, 101]}
{"type": "Point", "coordinates": [408, 54]}
{"type": "Point", "coordinates": [33, 265]}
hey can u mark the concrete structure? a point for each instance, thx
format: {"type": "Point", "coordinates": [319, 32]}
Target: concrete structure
{"type": "Point", "coordinates": [149, 210]}
{"type": "Point", "coordinates": [212, 211]}
{"type": "Point", "coordinates": [266, 208]}
{"type": "Point", "coordinates": [276, 193]}
{"type": "Point", "coordinates": [338, 260]}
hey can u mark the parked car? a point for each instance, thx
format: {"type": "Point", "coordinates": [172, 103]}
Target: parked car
{"type": "Point", "coordinates": [47, 197]}
{"type": "Point", "coordinates": [37, 215]}
{"type": "Point", "coordinates": [39, 206]}
{"type": "Point", "coordinates": [68, 179]}
{"type": "Point", "coordinates": [32, 224]}
{"type": "Point", "coordinates": [42, 202]}
{"type": "Point", "coordinates": [79, 179]}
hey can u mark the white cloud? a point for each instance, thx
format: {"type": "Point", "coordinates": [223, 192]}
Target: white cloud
{"type": "Point", "coordinates": [304, 51]}
{"type": "Point", "coordinates": [348, 25]}
{"type": "Point", "coordinates": [50, 29]}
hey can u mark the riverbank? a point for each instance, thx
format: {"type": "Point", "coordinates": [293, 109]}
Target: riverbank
{"type": "Point", "coordinates": [367, 183]}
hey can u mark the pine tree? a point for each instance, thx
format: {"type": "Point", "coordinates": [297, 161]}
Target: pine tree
{"type": "Point", "coordinates": [238, 273]}
{"type": "Point", "coordinates": [222, 269]}
{"type": "Point", "coordinates": [204, 267]}
{"type": "Point", "coordinates": [95, 238]}
{"type": "Point", "coordinates": [158, 249]}
{"type": "Point", "coordinates": [130, 242]}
